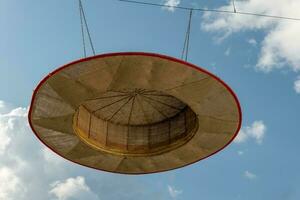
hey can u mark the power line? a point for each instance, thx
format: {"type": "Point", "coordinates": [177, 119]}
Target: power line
{"type": "Point", "coordinates": [212, 10]}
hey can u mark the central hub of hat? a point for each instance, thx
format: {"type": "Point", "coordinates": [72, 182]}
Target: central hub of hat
{"type": "Point", "coordinates": [135, 122]}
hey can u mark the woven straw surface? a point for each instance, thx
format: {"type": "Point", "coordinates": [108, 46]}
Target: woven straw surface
{"type": "Point", "coordinates": [134, 113]}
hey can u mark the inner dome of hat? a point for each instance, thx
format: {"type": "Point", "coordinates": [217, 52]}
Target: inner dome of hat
{"type": "Point", "coordinates": [135, 122]}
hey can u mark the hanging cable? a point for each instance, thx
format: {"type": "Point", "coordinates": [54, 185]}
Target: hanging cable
{"type": "Point", "coordinates": [212, 10]}
{"type": "Point", "coordinates": [185, 50]}
{"type": "Point", "coordinates": [233, 4]}
{"type": "Point", "coordinates": [82, 30]}
{"type": "Point", "coordinates": [84, 23]}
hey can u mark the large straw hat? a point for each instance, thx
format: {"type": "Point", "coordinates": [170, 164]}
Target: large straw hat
{"type": "Point", "coordinates": [134, 113]}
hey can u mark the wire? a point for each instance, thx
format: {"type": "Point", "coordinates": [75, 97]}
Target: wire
{"type": "Point", "coordinates": [212, 10]}
{"type": "Point", "coordinates": [82, 30]}
{"type": "Point", "coordinates": [233, 4]}
{"type": "Point", "coordinates": [188, 36]}
{"type": "Point", "coordinates": [186, 45]}
{"type": "Point", "coordinates": [83, 18]}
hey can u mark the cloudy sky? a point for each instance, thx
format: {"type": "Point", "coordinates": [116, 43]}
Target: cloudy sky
{"type": "Point", "coordinates": [258, 57]}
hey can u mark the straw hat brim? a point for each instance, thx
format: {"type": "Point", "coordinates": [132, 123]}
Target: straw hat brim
{"type": "Point", "coordinates": [59, 95]}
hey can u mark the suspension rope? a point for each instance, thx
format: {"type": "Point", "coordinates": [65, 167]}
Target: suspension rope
{"type": "Point", "coordinates": [212, 10]}
{"type": "Point", "coordinates": [85, 24]}
{"type": "Point", "coordinates": [82, 30]}
{"type": "Point", "coordinates": [185, 50]}
{"type": "Point", "coordinates": [233, 4]}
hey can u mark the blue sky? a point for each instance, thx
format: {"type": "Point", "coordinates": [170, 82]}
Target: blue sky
{"type": "Point", "coordinates": [259, 59]}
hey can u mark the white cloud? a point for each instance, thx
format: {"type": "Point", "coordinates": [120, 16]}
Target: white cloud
{"type": "Point", "coordinates": [240, 153]}
{"type": "Point", "coordinates": [173, 192]}
{"type": "Point", "coordinates": [8, 122]}
{"type": "Point", "coordinates": [256, 131]}
{"type": "Point", "coordinates": [171, 4]}
{"type": "Point", "coordinates": [5, 140]}
{"type": "Point", "coordinates": [31, 167]}
{"type": "Point", "coordinates": [297, 85]}
{"type": "Point", "coordinates": [11, 186]}
{"type": "Point", "coordinates": [241, 137]}
{"type": "Point", "coordinates": [17, 150]}
{"type": "Point", "coordinates": [21, 154]}
{"type": "Point", "coordinates": [4, 107]}
{"type": "Point", "coordinates": [51, 157]}
{"type": "Point", "coordinates": [1, 104]}
{"type": "Point", "coordinates": [281, 44]}
{"type": "Point", "coordinates": [252, 41]}
{"type": "Point", "coordinates": [72, 188]}
{"type": "Point", "coordinates": [250, 175]}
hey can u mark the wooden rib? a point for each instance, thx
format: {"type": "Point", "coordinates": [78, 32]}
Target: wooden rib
{"type": "Point", "coordinates": [130, 113]}
{"type": "Point", "coordinates": [163, 103]}
{"type": "Point", "coordinates": [129, 119]}
{"type": "Point", "coordinates": [111, 104]}
{"type": "Point", "coordinates": [118, 91]}
{"type": "Point", "coordinates": [182, 85]}
{"type": "Point", "coordinates": [144, 91]}
{"type": "Point", "coordinates": [120, 163]}
{"type": "Point", "coordinates": [159, 95]}
{"type": "Point", "coordinates": [90, 123]}
{"type": "Point", "coordinates": [74, 96]}
{"type": "Point", "coordinates": [42, 93]}
{"type": "Point", "coordinates": [106, 138]}
{"type": "Point", "coordinates": [169, 133]}
{"type": "Point", "coordinates": [185, 128]}
{"type": "Point", "coordinates": [156, 109]}
{"type": "Point", "coordinates": [215, 118]}
{"type": "Point", "coordinates": [99, 98]}
{"type": "Point", "coordinates": [143, 111]}
{"type": "Point", "coordinates": [119, 108]}
{"type": "Point", "coordinates": [77, 118]}
{"type": "Point", "coordinates": [149, 137]}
